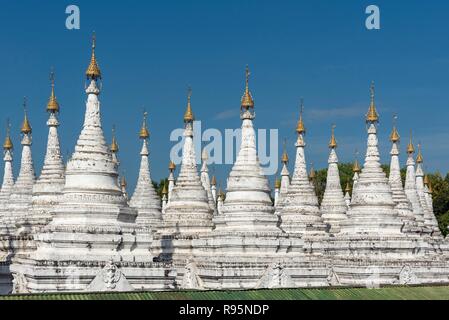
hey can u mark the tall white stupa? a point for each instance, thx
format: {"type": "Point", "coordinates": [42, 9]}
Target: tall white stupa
{"type": "Point", "coordinates": [299, 210]}
{"type": "Point", "coordinates": [372, 207]}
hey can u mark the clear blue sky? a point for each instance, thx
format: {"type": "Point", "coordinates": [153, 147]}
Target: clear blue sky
{"type": "Point", "coordinates": [151, 51]}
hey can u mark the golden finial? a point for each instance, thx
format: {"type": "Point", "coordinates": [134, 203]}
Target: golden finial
{"type": "Point", "coordinates": [247, 99]}
{"type": "Point", "coordinates": [410, 147]}
{"type": "Point", "coordinates": [356, 166]}
{"type": "Point", "coordinates": [394, 137]}
{"type": "Point", "coordinates": [26, 126]}
{"type": "Point", "coordinates": [312, 174]}
{"type": "Point", "coordinates": [114, 144]}
{"type": "Point", "coordinates": [284, 154]}
{"type": "Point", "coordinates": [348, 187]}
{"type": "Point", "coordinates": [93, 71]}
{"type": "Point", "coordinates": [372, 115]}
{"type": "Point", "coordinates": [123, 182]}
{"type": "Point", "coordinates": [419, 158]}
{"type": "Point", "coordinates": [144, 133]}
{"type": "Point", "coordinates": [213, 181]}
{"type": "Point", "coordinates": [8, 143]}
{"type": "Point", "coordinates": [333, 142]}
{"type": "Point", "coordinates": [277, 183]}
{"type": "Point", "coordinates": [221, 194]}
{"type": "Point", "coordinates": [300, 128]}
{"type": "Point", "coordinates": [164, 189]}
{"type": "Point", "coordinates": [171, 166]}
{"type": "Point", "coordinates": [426, 180]}
{"type": "Point", "coordinates": [53, 105]}
{"type": "Point", "coordinates": [188, 116]}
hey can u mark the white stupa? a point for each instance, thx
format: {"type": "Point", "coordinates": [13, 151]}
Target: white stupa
{"type": "Point", "coordinates": [19, 203]}
{"type": "Point", "coordinates": [145, 198]}
{"type": "Point", "coordinates": [47, 191]}
{"type": "Point", "coordinates": [372, 207]}
{"type": "Point", "coordinates": [403, 205]}
{"type": "Point", "coordinates": [299, 211]}
{"type": "Point", "coordinates": [8, 176]}
{"type": "Point", "coordinates": [333, 206]}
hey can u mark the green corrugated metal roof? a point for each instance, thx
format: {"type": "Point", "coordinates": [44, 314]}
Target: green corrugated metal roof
{"type": "Point", "coordinates": [390, 293]}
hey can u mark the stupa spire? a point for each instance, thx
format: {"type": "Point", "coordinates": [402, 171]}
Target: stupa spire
{"type": "Point", "coordinates": [145, 198]}
{"type": "Point", "coordinates": [93, 70]}
{"type": "Point", "coordinates": [8, 176]}
{"type": "Point", "coordinates": [213, 187]}
{"type": "Point", "coordinates": [356, 169]}
{"type": "Point", "coordinates": [299, 208]}
{"type": "Point", "coordinates": [247, 99]}
{"type": "Point", "coordinates": [171, 179]}
{"type": "Point", "coordinates": [348, 194]}
{"type": "Point", "coordinates": [403, 206]}
{"type": "Point", "coordinates": [52, 105]}
{"type": "Point", "coordinates": [48, 188]}
{"type": "Point", "coordinates": [285, 174]}
{"type": "Point", "coordinates": [123, 186]}
{"type": "Point", "coordinates": [372, 116]}
{"type": "Point", "coordinates": [205, 180]}
{"type": "Point", "coordinates": [333, 206]}
{"type": "Point", "coordinates": [114, 146]}
{"type": "Point", "coordinates": [410, 184]}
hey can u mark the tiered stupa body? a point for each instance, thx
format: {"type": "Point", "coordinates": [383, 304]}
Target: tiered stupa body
{"type": "Point", "coordinates": [47, 191]}
{"type": "Point", "coordinates": [333, 206]}
{"type": "Point", "coordinates": [403, 205]}
{"type": "Point", "coordinates": [299, 211]}
{"type": "Point", "coordinates": [145, 198]}
{"type": "Point", "coordinates": [93, 242]}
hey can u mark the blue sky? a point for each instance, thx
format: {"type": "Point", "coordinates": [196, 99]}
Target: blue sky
{"type": "Point", "coordinates": [150, 51]}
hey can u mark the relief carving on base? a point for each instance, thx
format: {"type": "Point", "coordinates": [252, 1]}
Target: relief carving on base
{"type": "Point", "coordinates": [275, 276]}
{"type": "Point", "coordinates": [19, 284]}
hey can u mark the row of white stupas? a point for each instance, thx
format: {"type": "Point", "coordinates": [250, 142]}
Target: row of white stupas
{"type": "Point", "coordinates": [74, 228]}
